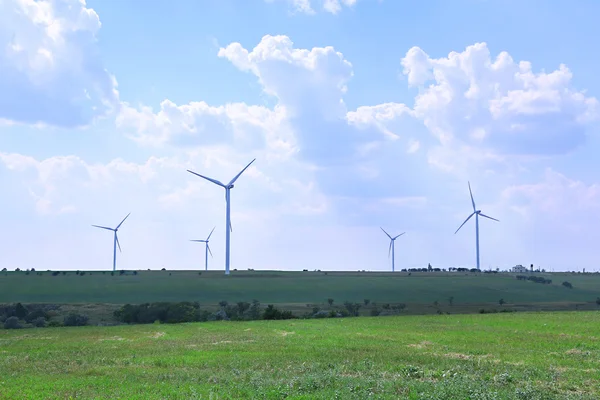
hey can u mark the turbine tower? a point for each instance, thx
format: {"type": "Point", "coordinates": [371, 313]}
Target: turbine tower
{"type": "Point", "coordinates": [207, 249]}
{"type": "Point", "coordinates": [116, 240]}
{"type": "Point", "coordinates": [392, 247]}
{"type": "Point", "coordinates": [228, 228]}
{"type": "Point", "coordinates": [476, 213]}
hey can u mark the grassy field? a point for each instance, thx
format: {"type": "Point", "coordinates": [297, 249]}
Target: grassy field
{"type": "Point", "coordinates": [500, 356]}
{"type": "Point", "coordinates": [292, 287]}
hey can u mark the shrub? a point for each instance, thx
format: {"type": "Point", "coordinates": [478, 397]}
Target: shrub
{"type": "Point", "coordinates": [352, 308]}
{"type": "Point", "coordinates": [75, 319]}
{"type": "Point", "coordinates": [242, 306]}
{"type": "Point", "coordinates": [223, 303]}
{"type": "Point", "coordinates": [181, 312]}
{"type": "Point", "coordinates": [12, 323]}
{"type": "Point", "coordinates": [54, 324]}
{"type": "Point", "coordinates": [451, 300]}
{"type": "Point", "coordinates": [366, 301]}
{"type": "Point", "coordinates": [254, 312]}
{"type": "Point", "coordinates": [35, 314]}
{"type": "Point", "coordinates": [55, 273]}
{"type": "Point", "coordinates": [39, 322]}
{"type": "Point", "coordinates": [271, 313]}
{"type": "Point", "coordinates": [598, 301]}
{"type": "Point", "coordinates": [567, 285]}
{"type": "Point", "coordinates": [375, 312]}
{"type": "Point", "coordinates": [21, 311]}
{"type": "Point", "coordinates": [330, 301]}
{"type": "Point", "coordinates": [321, 314]}
{"type": "Point", "coordinates": [501, 302]}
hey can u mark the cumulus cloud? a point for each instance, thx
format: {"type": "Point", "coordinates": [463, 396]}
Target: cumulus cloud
{"type": "Point", "coordinates": [498, 103]}
{"type": "Point", "coordinates": [307, 6]}
{"type": "Point", "coordinates": [51, 72]}
{"type": "Point", "coordinates": [199, 124]}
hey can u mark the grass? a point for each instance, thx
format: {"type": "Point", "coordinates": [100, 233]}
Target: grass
{"type": "Point", "coordinates": [495, 356]}
{"type": "Point", "coordinates": [292, 287]}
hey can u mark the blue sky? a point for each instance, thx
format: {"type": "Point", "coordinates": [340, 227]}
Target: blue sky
{"type": "Point", "coordinates": [363, 114]}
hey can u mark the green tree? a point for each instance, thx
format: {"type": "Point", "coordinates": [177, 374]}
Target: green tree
{"type": "Point", "coordinates": [330, 301]}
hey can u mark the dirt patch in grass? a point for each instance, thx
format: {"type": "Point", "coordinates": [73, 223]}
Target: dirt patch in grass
{"type": "Point", "coordinates": [285, 333]}
{"type": "Point", "coordinates": [421, 345]}
{"type": "Point", "coordinates": [577, 352]}
{"type": "Point", "coordinates": [157, 335]}
{"type": "Point", "coordinates": [458, 356]}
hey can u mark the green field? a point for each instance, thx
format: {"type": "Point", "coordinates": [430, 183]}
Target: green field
{"type": "Point", "coordinates": [292, 287]}
{"type": "Point", "coordinates": [500, 356]}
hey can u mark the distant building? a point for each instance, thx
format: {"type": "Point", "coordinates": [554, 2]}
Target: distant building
{"type": "Point", "coordinates": [519, 268]}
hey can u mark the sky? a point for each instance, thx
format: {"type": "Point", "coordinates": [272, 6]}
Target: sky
{"type": "Point", "coordinates": [361, 114]}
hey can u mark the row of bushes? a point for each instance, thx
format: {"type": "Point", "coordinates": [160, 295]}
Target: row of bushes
{"type": "Point", "coordinates": [172, 313]}
{"type": "Point", "coordinates": [15, 316]}
{"type": "Point", "coordinates": [536, 279]}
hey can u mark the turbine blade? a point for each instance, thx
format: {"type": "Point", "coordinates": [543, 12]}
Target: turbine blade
{"type": "Point", "coordinates": [471, 193]}
{"type": "Point", "coordinates": [390, 250]}
{"type": "Point", "coordinates": [216, 182]}
{"type": "Point", "coordinates": [208, 247]}
{"type": "Point", "coordinates": [195, 240]}
{"type": "Point", "coordinates": [399, 235]}
{"type": "Point", "coordinates": [230, 227]}
{"type": "Point", "coordinates": [118, 226]}
{"type": "Point", "coordinates": [388, 235]}
{"type": "Point", "coordinates": [483, 215]}
{"type": "Point", "coordinates": [118, 244]}
{"type": "Point", "coordinates": [464, 222]}
{"type": "Point", "coordinates": [211, 232]}
{"type": "Point", "coordinates": [104, 227]}
{"type": "Point", "coordinates": [238, 175]}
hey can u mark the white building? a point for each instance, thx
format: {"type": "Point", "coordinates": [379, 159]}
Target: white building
{"type": "Point", "coordinates": [519, 268]}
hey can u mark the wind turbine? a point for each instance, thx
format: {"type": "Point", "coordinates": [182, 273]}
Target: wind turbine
{"type": "Point", "coordinates": [207, 250]}
{"type": "Point", "coordinates": [476, 213]}
{"type": "Point", "coordinates": [116, 240]}
{"type": "Point", "coordinates": [392, 246]}
{"type": "Point", "coordinates": [228, 227]}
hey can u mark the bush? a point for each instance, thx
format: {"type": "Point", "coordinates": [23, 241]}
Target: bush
{"type": "Point", "coordinates": [567, 285]}
{"type": "Point", "coordinates": [366, 301]}
{"type": "Point", "coordinates": [21, 311]}
{"type": "Point", "coordinates": [598, 301]}
{"type": "Point", "coordinates": [254, 312]}
{"type": "Point", "coordinates": [12, 323]}
{"type": "Point", "coordinates": [501, 302]}
{"type": "Point", "coordinates": [54, 324]}
{"type": "Point", "coordinates": [273, 313]}
{"type": "Point", "coordinates": [35, 314]}
{"type": "Point", "coordinates": [352, 308]}
{"type": "Point", "coordinates": [321, 314]}
{"type": "Point", "coordinates": [375, 312]}
{"type": "Point", "coordinates": [39, 322]}
{"type": "Point", "coordinates": [75, 319]}
{"type": "Point", "coordinates": [330, 301]}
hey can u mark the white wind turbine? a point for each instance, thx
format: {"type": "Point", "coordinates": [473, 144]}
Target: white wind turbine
{"type": "Point", "coordinates": [116, 240]}
{"type": "Point", "coordinates": [207, 249]}
{"type": "Point", "coordinates": [228, 228]}
{"type": "Point", "coordinates": [392, 246]}
{"type": "Point", "coordinates": [476, 213]}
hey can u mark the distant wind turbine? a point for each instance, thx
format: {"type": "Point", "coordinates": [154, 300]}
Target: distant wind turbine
{"type": "Point", "coordinates": [476, 213]}
{"type": "Point", "coordinates": [228, 228]}
{"type": "Point", "coordinates": [116, 240]}
{"type": "Point", "coordinates": [392, 247]}
{"type": "Point", "coordinates": [207, 249]}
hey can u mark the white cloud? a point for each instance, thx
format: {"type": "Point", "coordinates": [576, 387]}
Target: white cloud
{"type": "Point", "coordinates": [303, 80]}
{"type": "Point", "coordinates": [199, 124]}
{"type": "Point", "coordinates": [499, 104]}
{"type": "Point", "coordinates": [49, 56]}
{"type": "Point", "coordinates": [306, 6]}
